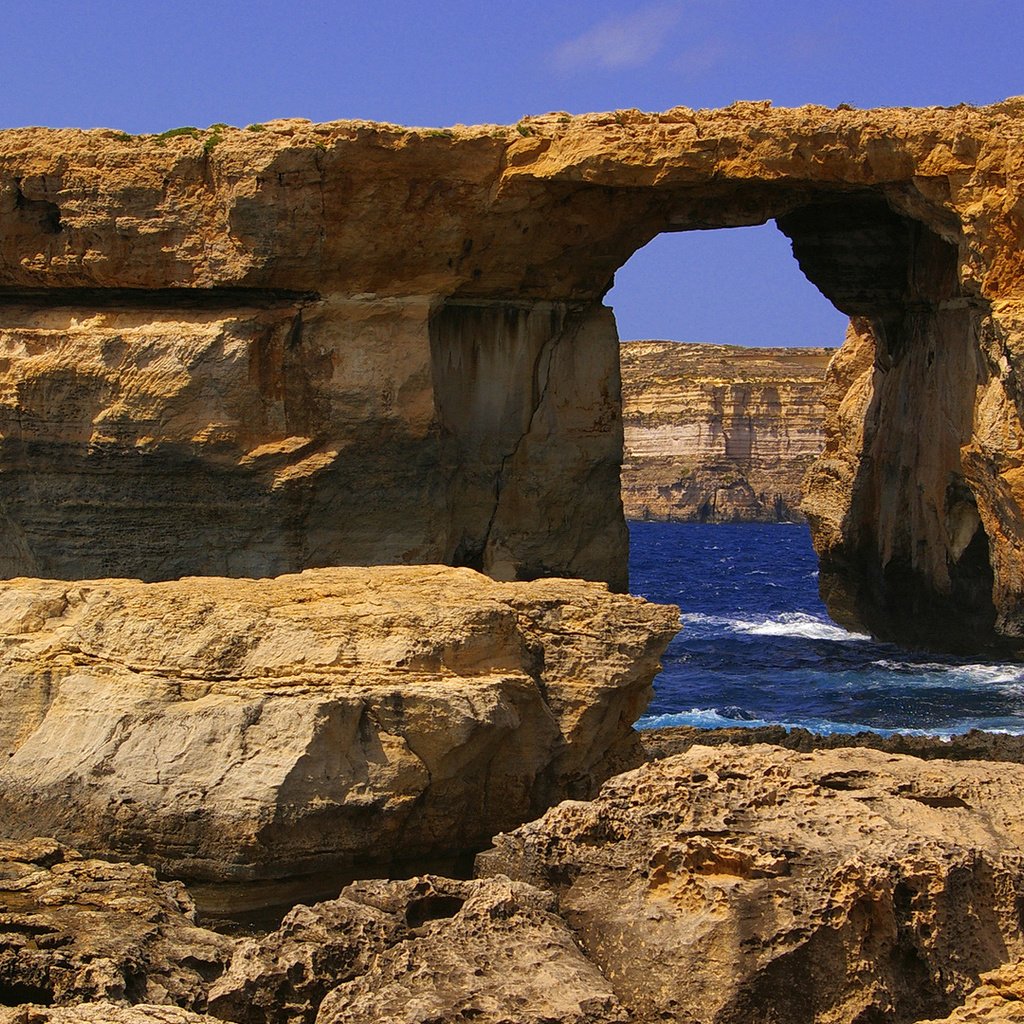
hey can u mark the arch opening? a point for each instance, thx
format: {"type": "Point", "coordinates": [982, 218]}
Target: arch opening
{"type": "Point", "coordinates": [525, 386]}
{"type": "Point", "coordinates": [724, 346]}
{"type": "Point", "coordinates": [903, 547]}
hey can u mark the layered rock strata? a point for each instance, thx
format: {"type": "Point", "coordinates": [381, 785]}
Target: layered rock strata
{"type": "Point", "coordinates": [336, 722]}
{"type": "Point", "coordinates": [719, 433]}
{"type": "Point", "coordinates": [756, 884]}
{"type": "Point", "coordinates": [253, 351]}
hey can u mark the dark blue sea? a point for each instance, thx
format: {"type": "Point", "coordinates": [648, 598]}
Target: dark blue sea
{"type": "Point", "coordinates": [757, 647]}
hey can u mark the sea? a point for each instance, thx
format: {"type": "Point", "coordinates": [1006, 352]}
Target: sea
{"type": "Point", "coordinates": [757, 647]}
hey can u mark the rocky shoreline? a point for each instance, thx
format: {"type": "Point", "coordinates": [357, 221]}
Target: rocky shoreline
{"type": "Point", "coordinates": [970, 746]}
{"type": "Point", "coordinates": [730, 875]}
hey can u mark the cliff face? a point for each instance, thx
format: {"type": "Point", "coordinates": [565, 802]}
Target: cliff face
{"type": "Point", "coordinates": [915, 503]}
{"type": "Point", "coordinates": [252, 440]}
{"type": "Point", "coordinates": [719, 433]}
{"type": "Point", "coordinates": [256, 351]}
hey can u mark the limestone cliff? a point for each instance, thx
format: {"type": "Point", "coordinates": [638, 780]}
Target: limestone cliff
{"type": "Point", "coordinates": [309, 727]}
{"type": "Point", "coordinates": [253, 351]}
{"type": "Point", "coordinates": [719, 433]}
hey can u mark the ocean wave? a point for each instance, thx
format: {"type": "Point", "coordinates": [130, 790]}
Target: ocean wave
{"type": "Point", "coordinates": [1008, 679]}
{"type": "Point", "coordinates": [794, 624]}
{"type": "Point", "coordinates": [1004, 676]}
{"type": "Point", "coordinates": [751, 654]}
{"type": "Point", "coordinates": [803, 625]}
{"type": "Point", "coordinates": [713, 718]}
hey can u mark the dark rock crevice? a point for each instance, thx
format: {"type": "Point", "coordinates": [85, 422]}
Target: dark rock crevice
{"type": "Point", "coordinates": [155, 299]}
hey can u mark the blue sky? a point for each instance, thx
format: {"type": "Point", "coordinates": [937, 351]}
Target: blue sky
{"type": "Point", "coordinates": [144, 66]}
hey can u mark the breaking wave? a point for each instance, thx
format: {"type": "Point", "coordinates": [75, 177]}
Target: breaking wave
{"type": "Point", "coordinates": [751, 654]}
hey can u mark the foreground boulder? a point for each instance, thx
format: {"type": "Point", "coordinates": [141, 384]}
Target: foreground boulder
{"type": "Point", "coordinates": [336, 721]}
{"type": "Point", "coordinates": [424, 950]}
{"type": "Point", "coordinates": [757, 884]}
{"type": "Point", "coordinates": [75, 930]}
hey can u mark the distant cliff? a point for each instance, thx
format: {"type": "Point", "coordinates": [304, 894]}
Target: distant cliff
{"type": "Point", "coordinates": [719, 433]}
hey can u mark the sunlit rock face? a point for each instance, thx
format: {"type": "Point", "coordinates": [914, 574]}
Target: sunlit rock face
{"type": "Point", "coordinates": [258, 351]}
{"type": "Point", "coordinates": [719, 433]}
{"type": "Point", "coordinates": [751, 883]}
{"type": "Point", "coordinates": [337, 722]}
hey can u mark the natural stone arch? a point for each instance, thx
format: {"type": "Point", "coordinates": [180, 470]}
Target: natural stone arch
{"type": "Point", "coordinates": [320, 300]}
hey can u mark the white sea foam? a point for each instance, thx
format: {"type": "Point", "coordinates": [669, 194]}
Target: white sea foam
{"type": "Point", "coordinates": [1009, 679]}
{"type": "Point", "coordinates": [797, 624]}
{"type": "Point", "coordinates": [711, 718]}
{"type": "Point", "coordinates": [801, 624]}
{"type": "Point", "coordinates": [992, 675]}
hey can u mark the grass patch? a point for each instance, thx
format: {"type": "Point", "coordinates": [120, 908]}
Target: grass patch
{"type": "Point", "coordinates": [216, 134]}
{"type": "Point", "coordinates": [172, 133]}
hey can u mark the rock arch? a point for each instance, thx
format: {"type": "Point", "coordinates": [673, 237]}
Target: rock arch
{"type": "Point", "coordinates": [252, 351]}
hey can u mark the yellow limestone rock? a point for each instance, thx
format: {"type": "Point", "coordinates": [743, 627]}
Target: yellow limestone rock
{"type": "Point", "coordinates": [340, 721]}
{"type": "Point", "coordinates": [79, 930]}
{"type": "Point", "coordinates": [250, 352]}
{"type": "Point", "coordinates": [756, 883]}
{"type": "Point", "coordinates": [102, 1013]}
{"type": "Point", "coordinates": [719, 433]}
{"type": "Point", "coordinates": [999, 999]}
{"type": "Point", "coordinates": [417, 950]}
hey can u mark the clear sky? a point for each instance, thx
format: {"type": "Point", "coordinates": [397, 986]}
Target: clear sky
{"type": "Point", "coordinates": [149, 65]}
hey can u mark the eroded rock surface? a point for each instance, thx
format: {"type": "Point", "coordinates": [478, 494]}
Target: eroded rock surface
{"type": "Point", "coordinates": [339, 720]}
{"type": "Point", "coordinates": [999, 999]}
{"type": "Point", "coordinates": [102, 1013]}
{"type": "Point", "coordinates": [425, 949]}
{"type": "Point", "coordinates": [249, 352]}
{"type": "Point", "coordinates": [719, 433]}
{"type": "Point", "coordinates": [75, 930]}
{"type": "Point", "coordinates": [282, 978]}
{"type": "Point", "coordinates": [757, 884]}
